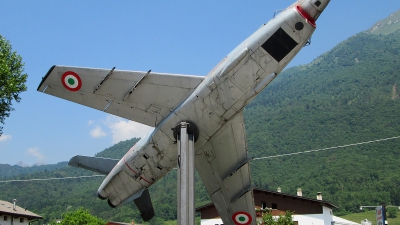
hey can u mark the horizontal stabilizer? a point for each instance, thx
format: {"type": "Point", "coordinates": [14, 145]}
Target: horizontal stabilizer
{"type": "Point", "coordinates": [99, 165]}
{"type": "Point", "coordinates": [143, 203]}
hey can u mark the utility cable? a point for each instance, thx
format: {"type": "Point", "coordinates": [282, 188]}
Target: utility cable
{"type": "Point", "coordinates": [45, 179]}
{"type": "Point", "coordinates": [267, 157]}
{"type": "Point", "coordinates": [325, 149]}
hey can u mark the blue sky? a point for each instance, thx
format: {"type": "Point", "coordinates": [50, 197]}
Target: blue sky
{"type": "Point", "coordinates": [187, 37]}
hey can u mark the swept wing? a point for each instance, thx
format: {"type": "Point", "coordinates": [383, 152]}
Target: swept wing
{"type": "Point", "coordinates": [144, 97]}
{"type": "Point", "coordinates": [223, 166]}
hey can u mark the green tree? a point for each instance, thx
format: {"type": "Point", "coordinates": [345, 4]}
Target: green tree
{"type": "Point", "coordinates": [267, 219]}
{"type": "Point", "coordinates": [12, 79]}
{"type": "Point", "coordinates": [392, 212]}
{"type": "Point", "coordinates": [285, 219]}
{"type": "Point", "coordinates": [81, 217]}
{"type": "Point", "coordinates": [156, 221]}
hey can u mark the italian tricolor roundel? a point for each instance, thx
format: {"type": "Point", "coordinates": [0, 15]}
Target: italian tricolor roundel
{"type": "Point", "coordinates": [242, 218]}
{"type": "Point", "coordinates": [71, 81]}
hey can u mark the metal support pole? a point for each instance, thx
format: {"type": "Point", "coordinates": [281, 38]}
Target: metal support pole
{"type": "Point", "coordinates": [384, 213]}
{"type": "Point", "coordinates": [185, 142]}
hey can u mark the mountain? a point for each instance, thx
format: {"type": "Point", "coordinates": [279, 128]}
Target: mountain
{"type": "Point", "coordinates": [116, 151]}
{"type": "Point", "coordinates": [52, 198]}
{"type": "Point", "coordinates": [387, 25]}
{"type": "Point", "coordinates": [7, 170]}
{"type": "Point", "coordinates": [347, 95]}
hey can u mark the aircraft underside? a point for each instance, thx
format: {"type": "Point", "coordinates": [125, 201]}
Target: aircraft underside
{"type": "Point", "coordinates": [214, 104]}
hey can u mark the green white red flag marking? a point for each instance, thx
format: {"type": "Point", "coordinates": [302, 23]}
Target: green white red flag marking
{"type": "Point", "coordinates": [242, 218]}
{"type": "Point", "coordinates": [71, 81]}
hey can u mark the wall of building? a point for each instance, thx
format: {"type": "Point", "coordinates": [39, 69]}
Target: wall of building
{"type": "Point", "coordinates": [328, 215]}
{"type": "Point", "coordinates": [212, 221]}
{"type": "Point", "coordinates": [5, 220]}
{"type": "Point", "coordinates": [325, 218]}
{"type": "Point", "coordinates": [310, 219]}
{"type": "Point", "coordinates": [16, 221]}
{"type": "Point", "coordinates": [316, 219]}
{"type": "Point", "coordinates": [287, 203]}
{"type": "Point", "coordinates": [209, 213]}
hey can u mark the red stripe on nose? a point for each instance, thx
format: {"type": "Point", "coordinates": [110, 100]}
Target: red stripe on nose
{"type": "Point", "coordinates": [305, 15]}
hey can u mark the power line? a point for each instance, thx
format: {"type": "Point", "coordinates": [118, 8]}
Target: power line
{"type": "Point", "coordinates": [325, 149]}
{"type": "Point", "coordinates": [45, 179]}
{"type": "Point", "coordinates": [267, 157]}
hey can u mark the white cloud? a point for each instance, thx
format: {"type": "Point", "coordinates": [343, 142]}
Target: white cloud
{"type": "Point", "coordinates": [37, 154]}
{"type": "Point", "coordinates": [123, 129]}
{"type": "Point", "coordinates": [5, 137]}
{"type": "Point", "coordinates": [90, 122]}
{"type": "Point", "coordinates": [97, 132]}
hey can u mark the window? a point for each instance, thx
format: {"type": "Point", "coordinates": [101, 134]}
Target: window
{"type": "Point", "coordinates": [21, 220]}
{"type": "Point", "coordinates": [274, 206]}
{"type": "Point", "coordinates": [263, 205]}
{"type": "Point", "coordinates": [5, 218]}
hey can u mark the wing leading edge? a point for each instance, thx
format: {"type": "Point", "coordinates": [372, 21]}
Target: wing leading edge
{"type": "Point", "coordinates": [223, 166]}
{"type": "Point", "coordinates": [138, 96]}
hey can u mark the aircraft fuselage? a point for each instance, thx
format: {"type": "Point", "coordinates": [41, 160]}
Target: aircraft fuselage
{"type": "Point", "coordinates": [226, 90]}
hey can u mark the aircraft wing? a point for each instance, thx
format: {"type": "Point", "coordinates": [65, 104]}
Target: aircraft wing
{"type": "Point", "coordinates": [139, 96]}
{"type": "Point", "coordinates": [95, 164]}
{"type": "Point", "coordinates": [223, 165]}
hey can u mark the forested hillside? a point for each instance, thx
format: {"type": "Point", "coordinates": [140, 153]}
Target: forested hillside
{"type": "Point", "coordinates": [7, 170]}
{"type": "Point", "coordinates": [347, 95]}
{"type": "Point", "coordinates": [52, 198]}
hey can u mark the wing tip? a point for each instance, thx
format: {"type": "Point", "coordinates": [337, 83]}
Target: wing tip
{"type": "Point", "coordinates": [72, 161]}
{"type": "Point", "coordinates": [45, 77]}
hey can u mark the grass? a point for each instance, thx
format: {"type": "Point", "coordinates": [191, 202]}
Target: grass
{"type": "Point", "coordinates": [370, 215]}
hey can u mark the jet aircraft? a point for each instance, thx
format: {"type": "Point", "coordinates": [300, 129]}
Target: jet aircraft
{"type": "Point", "coordinates": [213, 104]}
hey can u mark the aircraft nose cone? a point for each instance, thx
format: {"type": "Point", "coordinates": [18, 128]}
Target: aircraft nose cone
{"type": "Point", "coordinates": [314, 8]}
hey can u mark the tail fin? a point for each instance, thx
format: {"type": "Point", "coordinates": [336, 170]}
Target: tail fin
{"type": "Point", "coordinates": [143, 203]}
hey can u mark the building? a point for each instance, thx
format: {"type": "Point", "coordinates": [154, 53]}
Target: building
{"type": "Point", "coordinates": [11, 214]}
{"type": "Point", "coordinates": [306, 210]}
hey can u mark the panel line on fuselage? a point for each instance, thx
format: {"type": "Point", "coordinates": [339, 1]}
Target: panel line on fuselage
{"type": "Point", "coordinates": [136, 172]}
